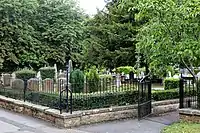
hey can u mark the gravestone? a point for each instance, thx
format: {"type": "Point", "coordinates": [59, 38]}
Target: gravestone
{"type": "Point", "coordinates": [13, 77]}
{"type": "Point", "coordinates": [198, 75]}
{"type": "Point", "coordinates": [6, 79]}
{"type": "Point", "coordinates": [61, 83]}
{"type": "Point", "coordinates": [62, 75]}
{"type": "Point", "coordinates": [118, 81]}
{"type": "Point", "coordinates": [18, 84]}
{"type": "Point", "coordinates": [33, 84]}
{"type": "Point", "coordinates": [169, 74]}
{"type": "Point", "coordinates": [48, 85]}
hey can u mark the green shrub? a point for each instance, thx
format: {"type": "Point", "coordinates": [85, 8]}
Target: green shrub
{"type": "Point", "coordinates": [47, 72]}
{"type": "Point", "coordinates": [160, 95]}
{"type": "Point", "coordinates": [77, 81]}
{"type": "Point", "coordinates": [25, 74]}
{"type": "Point", "coordinates": [171, 83]}
{"type": "Point", "coordinates": [124, 69]}
{"type": "Point", "coordinates": [106, 77]}
{"type": "Point", "coordinates": [92, 79]}
{"type": "Point", "coordinates": [90, 101]}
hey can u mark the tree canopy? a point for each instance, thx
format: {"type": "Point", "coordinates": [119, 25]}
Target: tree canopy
{"type": "Point", "coordinates": [110, 37]}
{"type": "Point", "coordinates": [170, 38]}
{"type": "Point", "coordinates": [160, 34]}
{"type": "Point", "coordinates": [38, 32]}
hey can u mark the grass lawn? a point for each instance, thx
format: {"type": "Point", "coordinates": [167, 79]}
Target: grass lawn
{"type": "Point", "coordinates": [182, 127]}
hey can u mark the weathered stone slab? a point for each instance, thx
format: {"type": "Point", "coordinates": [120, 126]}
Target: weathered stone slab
{"type": "Point", "coordinates": [18, 84]}
{"type": "Point", "coordinates": [6, 79]}
{"type": "Point", "coordinates": [33, 84]}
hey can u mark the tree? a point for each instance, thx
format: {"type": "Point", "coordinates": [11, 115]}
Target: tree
{"type": "Point", "coordinates": [171, 36]}
{"type": "Point", "coordinates": [38, 32]}
{"type": "Point", "coordinates": [110, 37]}
{"type": "Point", "coordinates": [16, 34]}
{"type": "Point", "coordinates": [59, 26]}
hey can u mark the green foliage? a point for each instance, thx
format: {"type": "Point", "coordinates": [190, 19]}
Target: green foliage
{"type": "Point", "coordinates": [110, 37]}
{"type": "Point", "coordinates": [77, 81]}
{"type": "Point", "coordinates": [90, 101]}
{"type": "Point", "coordinates": [25, 74]}
{"type": "Point", "coordinates": [47, 72]}
{"type": "Point", "coordinates": [182, 127]}
{"type": "Point", "coordinates": [106, 77]}
{"type": "Point", "coordinates": [170, 35]}
{"type": "Point", "coordinates": [36, 32]}
{"type": "Point", "coordinates": [92, 79]}
{"type": "Point", "coordinates": [171, 83]}
{"type": "Point", "coordinates": [160, 95]}
{"type": "Point", "coordinates": [124, 69]}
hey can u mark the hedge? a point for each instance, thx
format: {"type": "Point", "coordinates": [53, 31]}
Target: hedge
{"type": "Point", "coordinates": [47, 72]}
{"type": "Point", "coordinates": [171, 83]}
{"type": "Point", "coordinates": [92, 101]}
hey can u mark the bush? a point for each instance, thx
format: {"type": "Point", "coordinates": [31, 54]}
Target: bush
{"type": "Point", "coordinates": [171, 83]}
{"type": "Point", "coordinates": [106, 77]}
{"type": "Point", "coordinates": [90, 101]}
{"type": "Point", "coordinates": [124, 69]}
{"type": "Point", "coordinates": [77, 81]}
{"type": "Point", "coordinates": [92, 79]}
{"type": "Point", "coordinates": [25, 74]}
{"type": "Point", "coordinates": [47, 72]}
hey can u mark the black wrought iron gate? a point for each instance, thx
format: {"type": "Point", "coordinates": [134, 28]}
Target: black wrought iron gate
{"type": "Point", "coordinates": [144, 98]}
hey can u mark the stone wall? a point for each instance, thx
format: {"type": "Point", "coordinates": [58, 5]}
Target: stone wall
{"type": "Point", "coordinates": [190, 115]}
{"type": "Point", "coordinates": [82, 117]}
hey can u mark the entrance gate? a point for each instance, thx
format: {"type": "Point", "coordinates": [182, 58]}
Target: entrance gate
{"type": "Point", "coordinates": [144, 98]}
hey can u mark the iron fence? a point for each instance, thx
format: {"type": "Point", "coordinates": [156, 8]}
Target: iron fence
{"type": "Point", "coordinates": [189, 93]}
{"type": "Point", "coordinates": [66, 96]}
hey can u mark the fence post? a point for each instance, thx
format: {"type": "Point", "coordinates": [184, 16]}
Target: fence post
{"type": "Point", "coordinates": [181, 93]}
{"type": "Point", "coordinates": [25, 87]}
{"type": "Point", "coordinates": [67, 89]}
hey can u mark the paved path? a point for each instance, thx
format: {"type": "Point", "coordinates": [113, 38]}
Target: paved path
{"type": "Point", "coordinates": [149, 125]}
{"type": "Point", "coordinates": [16, 123]}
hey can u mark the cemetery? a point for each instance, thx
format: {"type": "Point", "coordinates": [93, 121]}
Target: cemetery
{"type": "Point", "coordinates": [131, 59]}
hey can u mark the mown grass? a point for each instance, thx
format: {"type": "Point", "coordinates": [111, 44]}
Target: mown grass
{"type": "Point", "coordinates": [182, 127]}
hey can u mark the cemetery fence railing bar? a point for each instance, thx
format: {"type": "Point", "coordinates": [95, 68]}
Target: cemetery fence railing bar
{"type": "Point", "coordinates": [68, 96]}
{"type": "Point", "coordinates": [189, 86]}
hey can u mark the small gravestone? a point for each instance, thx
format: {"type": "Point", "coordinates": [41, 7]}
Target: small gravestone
{"type": "Point", "coordinates": [62, 75]}
{"type": "Point", "coordinates": [33, 84]}
{"type": "Point", "coordinates": [62, 83]}
{"type": "Point", "coordinates": [6, 79]}
{"type": "Point", "coordinates": [18, 84]}
{"type": "Point", "coordinates": [48, 85]}
{"type": "Point", "coordinates": [118, 81]}
{"type": "Point", "coordinates": [198, 75]}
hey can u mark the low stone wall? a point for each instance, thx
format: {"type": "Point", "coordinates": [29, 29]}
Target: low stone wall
{"type": "Point", "coordinates": [83, 117]}
{"type": "Point", "coordinates": [190, 115]}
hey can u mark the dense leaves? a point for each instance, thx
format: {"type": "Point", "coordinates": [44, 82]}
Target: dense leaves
{"type": "Point", "coordinates": [171, 35]}
{"type": "Point", "coordinates": [110, 37]}
{"type": "Point", "coordinates": [38, 32]}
